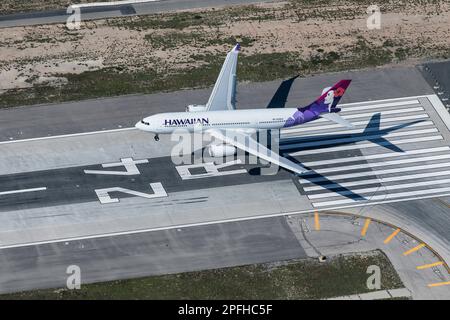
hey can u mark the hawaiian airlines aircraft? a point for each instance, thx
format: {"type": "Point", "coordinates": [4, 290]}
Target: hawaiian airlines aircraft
{"type": "Point", "coordinates": [220, 119]}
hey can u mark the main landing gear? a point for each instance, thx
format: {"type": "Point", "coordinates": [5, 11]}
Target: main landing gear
{"type": "Point", "coordinates": [156, 137]}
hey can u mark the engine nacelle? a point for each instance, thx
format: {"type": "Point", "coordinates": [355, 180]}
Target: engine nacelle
{"type": "Point", "coordinates": [222, 150]}
{"type": "Point", "coordinates": [195, 108]}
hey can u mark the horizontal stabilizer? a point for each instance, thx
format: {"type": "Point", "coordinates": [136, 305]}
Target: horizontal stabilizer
{"type": "Point", "coordinates": [337, 119]}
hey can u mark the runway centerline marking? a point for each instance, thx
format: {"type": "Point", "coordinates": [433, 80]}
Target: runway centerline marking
{"type": "Point", "coordinates": [22, 191]}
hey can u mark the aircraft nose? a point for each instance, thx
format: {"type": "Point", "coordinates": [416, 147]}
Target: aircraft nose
{"type": "Point", "coordinates": [139, 125]}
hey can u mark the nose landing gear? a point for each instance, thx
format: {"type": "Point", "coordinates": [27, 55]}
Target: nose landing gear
{"type": "Point", "coordinates": [156, 137]}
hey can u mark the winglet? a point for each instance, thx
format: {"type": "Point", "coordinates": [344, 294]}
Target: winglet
{"type": "Point", "coordinates": [237, 47]}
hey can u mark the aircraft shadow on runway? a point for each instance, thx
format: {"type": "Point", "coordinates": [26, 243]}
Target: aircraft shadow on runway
{"type": "Point", "coordinates": [280, 96]}
{"type": "Point", "coordinates": [372, 130]}
{"type": "Point", "coordinates": [371, 133]}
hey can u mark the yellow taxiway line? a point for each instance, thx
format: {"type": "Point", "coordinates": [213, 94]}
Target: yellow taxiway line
{"type": "Point", "coordinates": [414, 249]}
{"type": "Point", "coordinates": [393, 234]}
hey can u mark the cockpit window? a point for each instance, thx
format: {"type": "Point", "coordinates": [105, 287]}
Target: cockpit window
{"type": "Point", "coordinates": [146, 123]}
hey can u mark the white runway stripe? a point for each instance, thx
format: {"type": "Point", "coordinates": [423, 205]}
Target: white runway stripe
{"type": "Point", "coordinates": [385, 197]}
{"type": "Point", "coordinates": [356, 139]}
{"type": "Point", "coordinates": [371, 129]}
{"type": "Point", "coordinates": [363, 145]}
{"type": "Point", "coordinates": [375, 172]}
{"type": "Point", "coordinates": [22, 191]}
{"type": "Point", "coordinates": [363, 124]}
{"type": "Point", "coordinates": [380, 180]}
{"type": "Point", "coordinates": [375, 156]}
{"type": "Point", "coordinates": [385, 100]}
{"type": "Point", "coordinates": [356, 116]}
{"type": "Point", "coordinates": [380, 188]}
{"type": "Point", "coordinates": [380, 105]}
{"type": "Point", "coordinates": [383, 163]}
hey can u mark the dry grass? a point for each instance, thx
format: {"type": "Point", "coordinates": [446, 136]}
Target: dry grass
{"type": "Point", "coordinates": [165, 51]}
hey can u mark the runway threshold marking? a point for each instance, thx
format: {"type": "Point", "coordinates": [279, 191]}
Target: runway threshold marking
{"type": "Point", "coordinates": [430, 265]}
{"type": "Point", "coordinates": [366, 226]}
{"type": "Point", "coordinates": [420, 246]}
{"type": "Point", "coordinates": [439, 284]}
{"type": "Point", "coordinates": [391, 236]}
{"type": "Point", "coordinates": [22, 191]}
{"type": "Point", "coordinates": [316, 221]}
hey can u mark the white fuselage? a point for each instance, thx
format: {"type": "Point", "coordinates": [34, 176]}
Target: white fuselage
{"type": "Point", "coordinates": [227, 119]}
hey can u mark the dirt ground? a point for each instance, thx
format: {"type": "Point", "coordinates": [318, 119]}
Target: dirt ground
{"type": "Point", "coordinates": [165, 43]}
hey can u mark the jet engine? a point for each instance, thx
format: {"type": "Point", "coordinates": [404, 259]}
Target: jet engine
{"type": "Point", "coordinates": [222, 150]}
{"type": "Point", "coordinates": [195, 108]}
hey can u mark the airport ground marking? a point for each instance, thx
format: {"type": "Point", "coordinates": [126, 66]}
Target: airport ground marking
{"type": "Point", "coordinates": [172, 227]}
{"type": "Point", "coordinates": [212, 170]}
{"type": "Point", "coordinates": [22, 191]}
{"type": "Point", "coordinates": [105, 198]}
{"type": "Point", "coordinates": [391, 236]}
{"type": "Point", "coordinates": [430, 265]}
{"type": "Point", "coordinates": [128, 163]}
{"type": "Point", "coordinates": [293, 132]}
{"type": "Point", "coordinates": [68, 135]}
{"type": "Point", "coordinates": [420, 246]}
{"type": "Point", "coordinates": [432, 97]}
{"type": "Point", "coordinates": [110, 3]}
{"type": "Point", "coordinates": [439, 284]}
{"type": "Point", "coordinates": [366, 226]}
{"type": "Point", "coordinates": [316, 221]}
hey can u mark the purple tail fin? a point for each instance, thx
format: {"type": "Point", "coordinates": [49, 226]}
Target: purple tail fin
{"type": "Point", "coordinates": [326, 103]}
{"type": "Point", "coordinates": [329, 99]}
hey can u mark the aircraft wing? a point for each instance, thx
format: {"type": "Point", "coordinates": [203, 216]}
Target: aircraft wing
{"type": "Point", "coordinates": [223, 96]}
{"type": "Point", "coordinates": [337, 119]}
{"type": "Point", "coordinates": [239, 139]}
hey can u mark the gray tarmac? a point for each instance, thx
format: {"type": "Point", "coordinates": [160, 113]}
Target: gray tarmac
{"type": "Point", "coordinates": [125, 111]}
{"type": "Point", "coordinates": [437, 75]}
{"type": "Point", "coordinates": [60, 16]}
{"type": "Point", "coordinates": [160, 252]}
{"type": "Point", "coordinates": [43, 232]}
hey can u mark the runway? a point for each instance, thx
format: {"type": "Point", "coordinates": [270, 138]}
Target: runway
{"type": "Point", "coordinates": [378, 162]}
{"type": "Point", "coordinates": [113, 201]}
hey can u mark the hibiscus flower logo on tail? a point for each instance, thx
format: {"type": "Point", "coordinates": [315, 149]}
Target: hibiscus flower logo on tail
{"type": "Point", "coordinates": [339, 92]}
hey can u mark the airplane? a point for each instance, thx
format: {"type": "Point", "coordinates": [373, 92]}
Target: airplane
{"type": "Point", "coordinates": [220, 119]}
